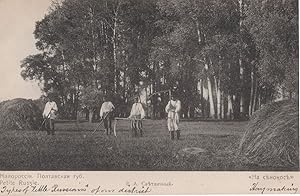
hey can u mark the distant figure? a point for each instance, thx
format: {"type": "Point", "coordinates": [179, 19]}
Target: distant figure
{"type": "Point", "coordinates": [173, 108]}
{"type": "Point", "coordinates": [106, 114]}
{"type": "Point", "coordinates": [49, 115]}
{"type": "Point", "coordinates": [136, 115]}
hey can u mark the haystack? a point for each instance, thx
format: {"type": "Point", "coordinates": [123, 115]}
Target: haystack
{"type": "Point", "coordinates": [19, 114]}
{"type": "Point", "coordinates": [271, 138]}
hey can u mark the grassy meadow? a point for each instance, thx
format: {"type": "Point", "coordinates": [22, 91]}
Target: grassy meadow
{"type": "Point", "coordinates": [74, 147]}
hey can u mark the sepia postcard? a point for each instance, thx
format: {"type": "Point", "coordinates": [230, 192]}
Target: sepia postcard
{"type": "Point", "coordinates": [156, 97]}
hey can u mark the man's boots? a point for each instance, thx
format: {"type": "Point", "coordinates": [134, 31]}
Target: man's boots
{"type": "Point", "coordinates": [172, 135]}
{"type": "Point", "coordinates": [178, 134]}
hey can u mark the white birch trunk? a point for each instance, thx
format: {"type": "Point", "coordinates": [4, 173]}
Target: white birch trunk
{"type": "Point", "coordinates": [251, 94]}
{"type": "Point", "coordinates": [222, 105]}
{"type": "Point", "coordinates": [115, 54]}
{"type": "Point", "coordinates": [241, 10]}
{"type": "Point", "coordinates": [204, 92]}
{"type": "Point", "coordinates": [218, 94]}
{"type": "Point", "coordinates": [211, 99]}
{"type": "Point", "coordinates": [259, 101]}
{"type": "Point", "coordinates": [229, 107]}
{"type": "Point", "coordinates": [254, 97]}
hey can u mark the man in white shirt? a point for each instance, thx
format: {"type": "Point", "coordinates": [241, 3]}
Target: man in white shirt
{"type": "Point", "coordinates": [137, 114]}
{"type": "Point", "coordinates": [106, 114]}
{"type": "Point", "coordinates": [49, 115]}
{"type": "Point", "coordinates": [173, 108]}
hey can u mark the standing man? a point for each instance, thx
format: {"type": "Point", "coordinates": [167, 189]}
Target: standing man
{"type": "Point", "coordinates": [49, 115]}
{"type": "Point", "coordinates": [137, 114]}
{"type": "Point", "coordinates": [173, 108]}
{"type": "Point", "coordinates": [106, 114]}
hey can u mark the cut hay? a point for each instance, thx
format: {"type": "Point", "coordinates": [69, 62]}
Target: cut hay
{"type": "Point", "coordinates": [190, 152]}
{"type": "Point", "coordinates": [271, 138]}
{"type": "Point", "coordinates": [19, 114]}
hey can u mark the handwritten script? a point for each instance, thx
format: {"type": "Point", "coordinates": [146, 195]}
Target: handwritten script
{"type": "Point", "coordinates": [44, 188]}
{"type": "Point", "coordinates": [259, 188]}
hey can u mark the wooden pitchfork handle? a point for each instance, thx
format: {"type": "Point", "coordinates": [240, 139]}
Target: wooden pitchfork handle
{"type": "Point", "coordinates": [45, 119]}
{"type": "Point", "coordinates": [100, 123]}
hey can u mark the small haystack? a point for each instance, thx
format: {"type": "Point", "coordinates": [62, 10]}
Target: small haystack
{"type": "Point", "coordinates": [271, 138]}
{"type": "Point", "coordinates": [19, 114]}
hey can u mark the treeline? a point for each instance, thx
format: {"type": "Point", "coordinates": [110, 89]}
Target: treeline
{"type": "Point", "coordinates": [223, 58]}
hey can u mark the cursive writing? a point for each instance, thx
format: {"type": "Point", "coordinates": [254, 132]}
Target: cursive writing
{"type": "Point", "coordinates": [13, 190]}
{"type": "Point", "coordinates": [256, 187]}
{"type": "Point", "coordinates": [135, 190]}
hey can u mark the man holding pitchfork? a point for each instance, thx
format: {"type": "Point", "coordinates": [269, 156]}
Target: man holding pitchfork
{"type": "Point", "coordinates": [49, 115]}
{"type": "Point", "coordinates": [137, 114]}
{"type": "Point", "coordinates": [106, 114]}
{"type": "Point", "coordinates": [172, 109]}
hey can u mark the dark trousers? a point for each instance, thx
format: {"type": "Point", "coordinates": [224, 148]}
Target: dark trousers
{"type": "Point", "coordinates": [136, 126]}
{"type": "Point", "coordinates": [107, 122]}
{"type": "Point", "coordinates": [49, 126]}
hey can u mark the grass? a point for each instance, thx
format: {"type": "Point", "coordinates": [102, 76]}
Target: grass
{"type": "Point", "coordinates": [76, 148]}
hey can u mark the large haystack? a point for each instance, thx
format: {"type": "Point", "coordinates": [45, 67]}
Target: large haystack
{"type": "Point", "coordinates": [271, 139]}
{"type": "Point", "coordinates": [19, 114]}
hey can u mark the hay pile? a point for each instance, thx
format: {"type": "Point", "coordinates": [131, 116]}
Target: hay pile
{"type": "Point", "coordinates": [19, 114]}
{"type": "Point", "coordinates": [271, 138]}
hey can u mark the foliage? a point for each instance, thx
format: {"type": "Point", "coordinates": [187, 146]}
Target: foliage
{"type": "Point", "coordinates": [274, 26]}
{"type": "Point", "coordinates": [91, 98]}
{"type": "Point", "coordinates": [240, 51]}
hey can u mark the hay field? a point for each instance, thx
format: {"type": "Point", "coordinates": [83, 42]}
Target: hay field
{"type": "Point", "coordinates": [74, 148]}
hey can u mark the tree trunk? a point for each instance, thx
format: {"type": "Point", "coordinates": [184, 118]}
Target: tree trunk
{"type": "Point", "coordinates": [204, 99]}
{"type": "Point", "coordinates": [240, 95]}
{"type": "Point", "coordinates": [93, 37]}
{"type": "Point", "coordinates": [222, 105]}
{"type": "Point", "coordinates": [242, 103]}
{"type": "Point", "coordinates": [251, 93]}
{"type": "Point", "coordinates": [212, 112]}
{"type": "Point", "coordinates": [218, 94]}
{"type": "Point", "coordinates": [259, 100]}
{"type": "Point", "coordinates": [211, 99]}
{"type": "Point", "coordinates": [255, 89]}
{"type": "Point", "coordinates": [236, 106]}
{"type": "Point", "coordinates": [201, 96]}
{"type": "Point", "coordinates": [91, 114]}
{"type": "Point", "coordinates": [199, 33]}
{"type": "Point", "coordinates": [229, 107]}
{"type": "Point", "coordinates": [154, 89]}
{"type": "Point", "coordinates": [115, 55]}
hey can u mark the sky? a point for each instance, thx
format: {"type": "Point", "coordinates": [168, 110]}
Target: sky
{"type": "Point", "coordinates": [17, 23]}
